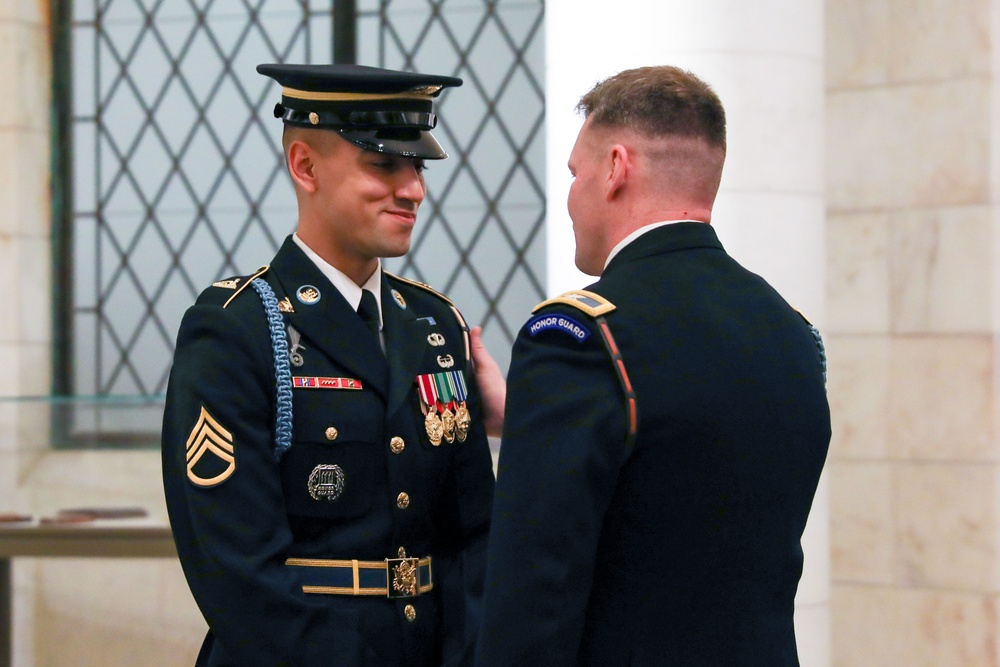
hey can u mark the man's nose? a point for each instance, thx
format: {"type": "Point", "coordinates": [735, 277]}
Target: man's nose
{"type": "Point", "coordinates": [411, 185]}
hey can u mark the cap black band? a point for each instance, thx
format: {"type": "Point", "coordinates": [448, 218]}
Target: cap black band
{"type": "Point", "coordinates": [359, 120]}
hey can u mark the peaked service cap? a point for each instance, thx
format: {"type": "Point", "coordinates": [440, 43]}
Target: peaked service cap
{"type": "Point", "coordinates": [380, 110]}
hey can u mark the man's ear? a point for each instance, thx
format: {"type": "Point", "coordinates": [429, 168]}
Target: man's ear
{"type": "Point", "coordinates": [302, 165]}
{"type": "Point", "coordinates": [618, 172]}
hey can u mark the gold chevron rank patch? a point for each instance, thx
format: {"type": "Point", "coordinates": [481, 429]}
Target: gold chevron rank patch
{"type": "Point", "coordinates": [210, 456]}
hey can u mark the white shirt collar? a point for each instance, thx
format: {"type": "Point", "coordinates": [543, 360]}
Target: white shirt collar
{"type": "Point", "coordinates": [347, 287]}
{"type": "Point", "coordinates": [637, 233]}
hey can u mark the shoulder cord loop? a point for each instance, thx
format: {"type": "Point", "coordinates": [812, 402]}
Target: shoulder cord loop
{"type": "Point", "coordinates": [631, 405]}
{"type": "Point", "coordinates": [821, 347]}
{"type": "Point", "coordinates": [282, 369]}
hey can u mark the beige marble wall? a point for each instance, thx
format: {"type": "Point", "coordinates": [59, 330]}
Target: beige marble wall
{"type": "Point", "coordinates": [103, 612]}
{"type": "Point", "coordinates": [911, 237]}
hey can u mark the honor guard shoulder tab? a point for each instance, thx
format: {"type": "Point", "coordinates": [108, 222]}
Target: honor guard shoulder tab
{"type": "Point", "coordinates": [596, 306]}
{"type": "Point", "coordinates": [591, 303]}
{"type": "Point", "coordinates": [238, 284]}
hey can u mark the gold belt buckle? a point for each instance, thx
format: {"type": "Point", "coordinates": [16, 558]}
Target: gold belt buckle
{"type": "Point", "coordinates": [401, 576]}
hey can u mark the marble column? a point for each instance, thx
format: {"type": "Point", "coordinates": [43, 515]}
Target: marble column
{"type": "Point", "coordinates": [766, 61]}
{"type": "Point", "coordinates": [913, 108]}
{"type": "Point", "coordinates": [24, 267]}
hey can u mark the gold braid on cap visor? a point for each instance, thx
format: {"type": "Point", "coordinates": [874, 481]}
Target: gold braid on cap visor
{"type": "Point", "coordinates": [423, 93]}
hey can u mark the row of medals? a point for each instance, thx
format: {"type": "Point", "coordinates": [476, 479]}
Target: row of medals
{"type": "Point", "coordinates": [449, 426]}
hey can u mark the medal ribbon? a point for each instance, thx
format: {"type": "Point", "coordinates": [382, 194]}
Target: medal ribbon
{"type": "Point", "coordinates": [445, 387]}
{"type": "Point", "coordinates": [428, 390]}
{"type": "Point", "coordinates": [458, 381]}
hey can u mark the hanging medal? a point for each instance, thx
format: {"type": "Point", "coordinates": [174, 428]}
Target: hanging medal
{"type": "Point", "coordinates": [446, 392]}
{"type": "Point", "coordinates": [463, 420]}
{"type": "Point", "coordinates": [433, 424]}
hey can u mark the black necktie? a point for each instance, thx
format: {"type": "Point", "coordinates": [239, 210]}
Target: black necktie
{"type": "Point", "coordinates": [368, 310]}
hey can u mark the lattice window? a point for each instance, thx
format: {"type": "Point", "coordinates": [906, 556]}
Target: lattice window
{"type": "Point", "coordinates": [174, 177]}
{"type": "Point", "coordinates": [481, 238]}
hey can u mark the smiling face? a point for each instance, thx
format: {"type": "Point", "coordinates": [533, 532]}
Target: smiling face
{"type": "Point", "coordinates": [363, 205]}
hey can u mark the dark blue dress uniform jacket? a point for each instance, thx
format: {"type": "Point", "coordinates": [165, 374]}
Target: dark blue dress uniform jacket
{"type": "Point", "coordinates": [234, 536]}
{"type": "Point", "coordinates": [684, 549]}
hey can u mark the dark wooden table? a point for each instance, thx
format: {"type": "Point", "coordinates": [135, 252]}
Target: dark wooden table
{"type": "Point", "coordinates": [95, 539]}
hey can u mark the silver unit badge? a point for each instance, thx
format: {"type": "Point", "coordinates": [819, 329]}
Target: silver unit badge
{"type": "Point", "coordinates": [326, 482]}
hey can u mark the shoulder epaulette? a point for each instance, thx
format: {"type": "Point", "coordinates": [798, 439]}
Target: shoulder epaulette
{"type": "Point", "coordinates": [589, 302]}
{"type": "Point", "coordinates": [426, 288]}
{"type": "Point", "coordinates": [240, 284]}
{"type": "Point", "coordinates": [596, 306]}
{"type": "Point", "coordinates": [458, 316]}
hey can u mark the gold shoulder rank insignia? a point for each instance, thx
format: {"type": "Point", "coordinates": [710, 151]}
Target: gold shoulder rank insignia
{"type": "Point", "coordinates": [211, 446]}
{"type": "Point", "coordinates": [246, 283]}
{"type": "Point", "coordinates": [589, 302]}
{"type": "Point", "coordinates": [426, 288]}
{"type": "Point", "coordinates": [226, 284]}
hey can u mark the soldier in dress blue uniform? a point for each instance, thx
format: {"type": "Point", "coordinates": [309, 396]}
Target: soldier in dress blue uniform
{"type": "Point", "coordinates": [326, 469]}
{"type": "Point", "coordinates": [665, 428]}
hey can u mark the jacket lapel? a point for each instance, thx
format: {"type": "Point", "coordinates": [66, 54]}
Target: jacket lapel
{"type": "Point", "coordinates": [405, 343]}
{"type": "Point", "coordinates": [329, 324]}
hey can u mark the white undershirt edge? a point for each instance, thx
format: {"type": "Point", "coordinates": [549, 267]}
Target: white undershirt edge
{"type": "Point", "coordinates": [636, 234]}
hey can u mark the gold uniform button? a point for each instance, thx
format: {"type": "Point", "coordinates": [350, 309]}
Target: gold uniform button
{"type": "Point", "coordinates": [403, 500]}
{"type": "Point", "coordinates": [397, 445]}
{"type": "Point", "coordinates": [332, 433]}
{"type": "Point", "coordinates": [410, 612]}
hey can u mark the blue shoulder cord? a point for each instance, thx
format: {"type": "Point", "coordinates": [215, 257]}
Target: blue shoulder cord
{"type": "Point", "coordinates": [282, 369]}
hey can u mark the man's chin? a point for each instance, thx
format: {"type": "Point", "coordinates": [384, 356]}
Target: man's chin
{"type": "Point", "coordinates": [396, 251]}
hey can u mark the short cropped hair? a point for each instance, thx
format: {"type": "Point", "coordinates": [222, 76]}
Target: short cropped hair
{"type": "Point", "coordinates": [658, 101]}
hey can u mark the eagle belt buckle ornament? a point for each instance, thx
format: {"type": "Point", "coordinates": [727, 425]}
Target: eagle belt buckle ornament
{"type": "Point", "coordinates": [401, 575]}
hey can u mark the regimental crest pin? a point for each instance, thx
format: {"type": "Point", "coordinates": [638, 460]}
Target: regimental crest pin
{"type": "Point", "coordinates": [226, 284]}
{"type": "Point", "coordinates": [211, 456]}
{"type": "Point", "coordinates": [398, 298]}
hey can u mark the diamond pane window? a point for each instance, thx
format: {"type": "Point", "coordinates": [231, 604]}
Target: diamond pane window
{"type": "Point", "coordinates": [173, 177]}
{"type": "Point", "coordinates": [480, 239]}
